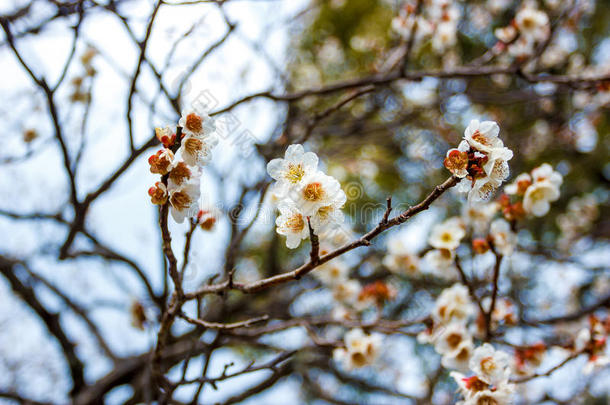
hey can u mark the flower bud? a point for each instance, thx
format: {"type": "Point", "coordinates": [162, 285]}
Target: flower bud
{"type": "Point", "coordinates": [206, 220]}
{"type": "Point", "coordinates": [480, 246]}
{"type": "Point", "coordinates": [158, 193]}
{"type": "Point", "coordinates": [161, 162]}
{"type": "Point", "coordinates": [165, 136]}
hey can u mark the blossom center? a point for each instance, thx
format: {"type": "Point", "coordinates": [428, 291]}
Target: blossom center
{"type": "Point", "coordinates": [488, 365]}
{"type": "Point", "coordinates": [192, 145]}
{"type": "Point", "coordinates": [487, 400]}
{"type": "Point", "coordinates": [313, 192]}
{"type": "Point", "coordinates": [446, 237]}
{"type": "Point", "coordinates": [295, 223]}
{"type": "Point", "coordinates": [193, 123]}
{"type": "Point", "coordinates": [454, 339]}
{"type": "Point", "coordinates": [537, 194]}
{"type": "Point", "coordinates": [180, 200]}
{"type": "Point", "coordinates": [324, 212]}
{"type": "Point", "coordinates": [180, 173]}
{"type": "Point", "coordinates": [359, 359]}
{"type": "Point", "coordinates": [295, 173]}
{"type": "Point", "coordinates": [480, 138]}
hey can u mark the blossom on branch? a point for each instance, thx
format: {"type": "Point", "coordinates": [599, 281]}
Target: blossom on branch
{"type": "Point", "coordinates": [537, 190]}
{"type": "Point", "coordinates": [360, 349]}
{"type": "Point", "coordinates": [481, 160]}
{"type": "Point", "coordinates": [304, 195]}
{"type": "Point", "coordinates": [180, 184]}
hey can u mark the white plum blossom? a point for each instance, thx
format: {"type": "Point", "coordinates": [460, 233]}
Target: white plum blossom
{"type": "Point", "coordinates": [543, 190]}
{"type": "Point", "coordinates": [453, 304]}
{"type": "Point", "coordinates": [403, 26]}
{"type": "Point", "coordinates": [184, 199]}
{"type": "Point", "coordinates": [447, 235]}
{"type": "Point", "coordinates": [459, 358]}
{"type": "Point", "coordinates": [295, 165]}
{"type": "Point", "coordinates": [496, 167]}
{"type": "Point", "coordinates": [532, 23]}
{"type": "Point", "coordinates": [468, 386]}
{"type": "Point", "coordinates": [316, 192]}
{"type": "Point", "coordinates": [332, 273]}
{"type": "Point", "coordinates": [481, 160]}
{"type": "Point", "coordinates": [545, 172]}
{"type": "Point", "coordinates": [481, 190]}
{"type": "Point", "coordinates": [309, 194]}
{"type": "Point", "coordinates": [347, 292]}
{"type": "Point", "coordinates": [450, 337]}
{"type": "Point", "coordinates": [483, 136]}
{"type": "Point", "coordinates": [360, 349]}
{"type": "Point", "coordinates": [506, 34]}
{"type": "Point", "coordinates": [456, 160]}
{"type": "Point", "coordinates": [491, 365]}
{"type": "Point", "coordinates": [478, 216]}
{"type": "Point", "coordinates": [292, 224]}
{"type": "Point", "coordinates": [504, 239]}
{"type": "Point", "coordinates": [497, 6]}
{"type": "Point", "coordinates": [330, 213]}
{"type": "Point", "coordinates": [181, 184]}
{"type": "Point", "coordinates": [400, 258]}
{"type": "Point", "coordinates": [440, 262]}
{"type": "Point", "coordinates": [197, 124]}
{"type": "Point", "coordinates": [519, 185]}
{"type": "Point", "coordinates": [444, 37]}
{"type": "Point", "coordinates": [500, 396]}
{"type": "Point", "coordinates": [198, 138]}
{"type": "Point", "coordinates": [522, 47]}
{"type": "Point", "coordinates": [196, 150]}
{"type": "Point", "coordinates": [478, 392]}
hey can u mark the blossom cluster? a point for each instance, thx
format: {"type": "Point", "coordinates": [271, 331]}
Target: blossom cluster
{"type": "Point", "coordinates": [179, 163]}
{"type": "Point", "coordinates": [452, 338]}
{"type": "Point", "coordinates": [534, 192]}
{"type": "Point", "coordinates": [305, 196]}
{"type": "Point", "coordinates": [481, 221]}
{"type": "Point", "coordinates": [350, 297]}
{"type": "Point", "coordinates": [444, 239]}
{"type": "Point", "coordinates": [593, 341]}
{"type": "Point", "coordinates": [360, 349]}
{"type": "Point", "coordinates": [439, 22]}
{"type": "Point", "coordinates": [529, 27]}
{"type": "Point", "coordinates": [480, 160]}
{"type": "Point", "coordinates": [489, 383]}
{"type": "Point", "coordinates": [449, 333]}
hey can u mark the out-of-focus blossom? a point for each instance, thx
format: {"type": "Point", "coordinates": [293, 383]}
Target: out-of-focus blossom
{"type": "Point", "coordinates": [360, 349]}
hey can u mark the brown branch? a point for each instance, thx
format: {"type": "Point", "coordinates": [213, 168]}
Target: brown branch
{"type": "Point", "coordinates": [468, 284]}
{"type": "Point", "coordinates": [224, 326]}
{"type": "Point", "coordinates": [269, 365]}
{"type": "Point", "coordinates": [549, 371]}
{"type": "Point", "coordinates": [574, 81]}
{"type": "Point", "coordinates": [314, 254]}
{"type": "Point", "coordinates": [365, 240]}
{"type": "Point", "coordinates": [603, 303]}
{"type": "Point", "coordinates": [51, 321]}
{"type": "Point", "coordinates": [136, 74]}
{"type": "Point", "coordinates": [494, 295]}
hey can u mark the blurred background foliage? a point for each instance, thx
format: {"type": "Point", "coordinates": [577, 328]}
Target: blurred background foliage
{"type": "Point", "coordinates": [394, 144]}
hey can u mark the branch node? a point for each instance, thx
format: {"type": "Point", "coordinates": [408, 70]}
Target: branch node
{"type": "Point", "coordinates": [315, 244]}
